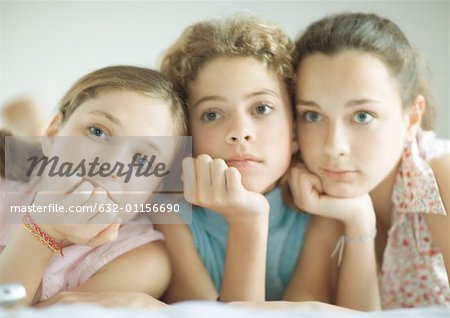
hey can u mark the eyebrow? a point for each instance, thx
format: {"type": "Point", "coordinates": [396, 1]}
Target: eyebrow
{"type": "Point", "coordinates": [107, 115]}
{"type": "Point", "coordinates": [351, 103]}
{"type": "Point", "coordinates": [154, 146]}
{"type": "Point", "coordinates": [265, 91]}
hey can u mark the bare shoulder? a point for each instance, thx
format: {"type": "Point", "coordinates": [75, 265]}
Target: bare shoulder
{"type": "Point", "coordinates": [143, 269]}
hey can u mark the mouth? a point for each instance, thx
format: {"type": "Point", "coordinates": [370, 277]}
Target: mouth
{"type": "Point", "coordinates": [243, 161]}
{"type": "Point", "coordinates": [339, 175]}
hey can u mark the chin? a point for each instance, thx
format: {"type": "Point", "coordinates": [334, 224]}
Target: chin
{"type": "Point", "coordinates": [258, 186]}
{"type": "Point", "coordinates": [343, 190]}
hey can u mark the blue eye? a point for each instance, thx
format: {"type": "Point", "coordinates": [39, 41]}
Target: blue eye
{"type": "Point", "coordinates": [263, 109]}
{"type": "Point", "coordinates": [141, 160]}
{"type": "Point", "coordinates": [363, 117]}
{"type": "Point", "coordinates": [210, 116]}
{"type": "Point", "coordinates": [311, 117]}
{"type": "Point", "coordinates": [98, 133]}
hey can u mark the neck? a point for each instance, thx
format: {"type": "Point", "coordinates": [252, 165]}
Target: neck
{"type": "Point", "coordinates": [381, 199]}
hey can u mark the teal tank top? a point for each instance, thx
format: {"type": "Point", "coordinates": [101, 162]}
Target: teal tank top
{"type": "Point", "coordinates": [287, 229]}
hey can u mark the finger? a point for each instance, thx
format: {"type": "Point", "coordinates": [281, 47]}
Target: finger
{"type": "Point", "coordinates": [315, 182]}
{"type": "Point", "coordinates": [218, 184]}
{"type": "Point", "coordinates": [60, 185]}
{"type": "Point", "coordinates": [189, 180]}
{"type": "Point", "coordinates": [98, 204]}
{"type": "Point", "coordinates": [80, 194]}
{"type": "Point", "coordinates": [233, 181]}
{"type": "Point", "coordinates": [203, 171]}
{"type": "Point", "coordinates": [107, 235]}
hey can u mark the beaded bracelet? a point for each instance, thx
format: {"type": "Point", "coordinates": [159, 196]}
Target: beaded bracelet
{"type": "Point", "coordinates": [45, 239]}
{"type": "Point", "coordinates": [339, 248]}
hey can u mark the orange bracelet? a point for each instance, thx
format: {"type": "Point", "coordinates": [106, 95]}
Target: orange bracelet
{"type": "Point", "coordinates": [53, 244]}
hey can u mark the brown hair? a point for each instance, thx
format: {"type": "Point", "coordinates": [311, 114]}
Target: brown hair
{"type": "Point", "coordinates": [237, 36]}
{"type": "Point", "coordinates": [375, 35]}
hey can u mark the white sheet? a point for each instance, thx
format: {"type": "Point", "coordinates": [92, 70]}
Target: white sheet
{"type": "Point", "coordinates": [208, 309]}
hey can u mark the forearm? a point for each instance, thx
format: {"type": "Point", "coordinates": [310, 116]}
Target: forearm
{"type": "Point", "coordinates": [245, 261]}
{"type": "Point", "coordinates": [357, 283]}
{"type": "Point", "coordinates": [24, 261]}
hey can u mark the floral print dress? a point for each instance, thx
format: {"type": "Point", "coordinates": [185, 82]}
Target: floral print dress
{"type": "Point", "coordinates": [413, 272]}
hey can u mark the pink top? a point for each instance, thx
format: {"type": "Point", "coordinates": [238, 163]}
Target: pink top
{"type": "Point", "coordinates": [79, 262]}
{"type": "Point", "coordinates": [413, 272]}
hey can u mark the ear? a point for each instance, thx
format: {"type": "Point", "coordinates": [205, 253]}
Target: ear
{"type": "Point", "coordinates": [52, 129]}
{"type": "Point", "coordinates": [50, 132]}
{"type": "Point", "coordinates": [415, 114]}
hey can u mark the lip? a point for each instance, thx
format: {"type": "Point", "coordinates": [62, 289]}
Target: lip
{"type": "Point", "coordinates": [339, 174]}
{"type": "Point", "coordinates": [243, 160]}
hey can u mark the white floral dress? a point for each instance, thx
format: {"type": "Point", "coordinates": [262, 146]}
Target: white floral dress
{"type": "Point", "coordinates": [413, 272]}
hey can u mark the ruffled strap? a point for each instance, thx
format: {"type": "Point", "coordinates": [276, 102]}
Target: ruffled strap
{"type": "Point", "coordinates": [416, 189]}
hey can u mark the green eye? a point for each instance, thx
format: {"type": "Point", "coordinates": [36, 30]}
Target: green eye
{"type": "Point", "coordinates": [311, 117]}
{"type": "Point", "coordinates": [97, 132]}
{"type": "Point", "coordinates": [263, 109]}
{"type": "Point", "coordinates": [363, 117]}
{"type": "Point", "coordinates": [142, 160]}
{"type": "Point", "coordinates": [210, 116]}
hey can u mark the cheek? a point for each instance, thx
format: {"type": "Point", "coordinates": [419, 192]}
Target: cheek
{"type": "Point", "coordinates": [309, 142]}
{"type": "Point", "coordinates": [204, 141]}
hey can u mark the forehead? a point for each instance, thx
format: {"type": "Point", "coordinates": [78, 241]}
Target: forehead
{"type": "Point", "coordinates": [233, 76]}
{"type": "Point", "coordinates": [347, 71]}
{"type": "Point", "coordinates": [134, 112]}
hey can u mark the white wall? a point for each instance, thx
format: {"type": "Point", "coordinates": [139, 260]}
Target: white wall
{"type": "Point", "coordinates": [46, 46]}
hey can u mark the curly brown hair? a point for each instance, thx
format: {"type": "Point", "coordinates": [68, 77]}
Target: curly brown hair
{"type": "Point", "coordinates": [236, 36]}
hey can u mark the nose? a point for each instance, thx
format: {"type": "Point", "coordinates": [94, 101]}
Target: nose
{"type": "Point", "coordinates": [240, 131]}
{"type": "Point", "coordinates": [336, 143]}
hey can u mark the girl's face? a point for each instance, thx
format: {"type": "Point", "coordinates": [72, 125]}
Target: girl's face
{"type": "Point", "coordinates": [115, 126]}
{"type": "Point", "coordinates": [240, 112]}
{"type": "Point", "coordinates": [351, 129]}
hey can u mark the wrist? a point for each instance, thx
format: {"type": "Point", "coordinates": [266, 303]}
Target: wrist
{"type": "Point", "coordinates": [249, 222]}
{"type": "Point", "coordinates": [248, 219]}
{"type": "Point", "coordinates": [360, 224]}
{"type": "Point", "coordinates": [48, 229]}
{"type": "Point", "coordinates": [53, 243]}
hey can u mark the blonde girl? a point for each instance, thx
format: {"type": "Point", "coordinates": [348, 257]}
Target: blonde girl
{"type": "Point", "coordinates": [97, 258]}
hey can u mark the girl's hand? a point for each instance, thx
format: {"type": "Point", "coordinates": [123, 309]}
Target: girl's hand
{"type": "Point", "coordinates": [91, 228]}
{"type": "Point", "coordinates": [357, 213]}
{"type": "Point", "coordinates": [210, 183]}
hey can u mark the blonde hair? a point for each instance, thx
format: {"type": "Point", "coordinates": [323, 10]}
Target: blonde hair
{"type": "Point", "coordinates": [126, 78]}
{"type": "Point", "coordinates": [237, 36]}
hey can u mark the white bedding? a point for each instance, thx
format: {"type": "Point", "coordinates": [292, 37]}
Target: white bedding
{"type": "Point", "coordinates": [208, 309]}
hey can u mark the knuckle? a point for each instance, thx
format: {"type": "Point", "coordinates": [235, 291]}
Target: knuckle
{"type": "Point", "coordinates": [202, 199]}
{"type": "Point", "coordinates": [203, 158]}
